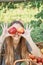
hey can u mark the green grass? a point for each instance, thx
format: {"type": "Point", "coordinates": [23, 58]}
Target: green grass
{"type": "Point", "coordinates": [18, 11]}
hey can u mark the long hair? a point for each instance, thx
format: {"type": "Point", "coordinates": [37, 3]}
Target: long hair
{"type": "Point", "coordinates": [9, 50]}
{"type": "Point", "coordinates": [9, 53]}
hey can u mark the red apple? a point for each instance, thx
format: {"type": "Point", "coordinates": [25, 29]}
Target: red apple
{"type": "Point", "coordinates": [12, 30]}
{"type": "Point", "coordinates": [31, 56]}
{"type": "Point", "coordinates": [42, 60]}
{"type": "Point", "coordinates": [35, 60]}
{"type": "Point", "coordinates": [39, 59]}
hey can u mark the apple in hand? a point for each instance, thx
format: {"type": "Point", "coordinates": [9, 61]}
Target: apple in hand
{"type": "Point", "coordinates": [12, 30]}
{"type": "Point", "coordinates": [39, 59]}
{"type": "Point", "coordinates": [20, 30]}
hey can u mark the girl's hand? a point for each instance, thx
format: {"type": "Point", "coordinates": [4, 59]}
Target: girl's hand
{"type": "Point", "coordinates": [4, 32]}
{"type": "Point", "coordinates": [27, 33]}
{"type": "Point", "coordinates": [32, 46]}
{"type": "Point", "coordinates": [2, 37]}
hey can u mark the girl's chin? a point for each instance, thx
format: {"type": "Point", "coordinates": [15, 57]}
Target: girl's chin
{"type": "Point", "coordinates": [16, 38]}
{"type": "Point", "coordinates": [16, 42]}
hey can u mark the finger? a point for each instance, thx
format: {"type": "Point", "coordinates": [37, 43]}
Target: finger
{"type": "Point", "coordinates": [1, 26]}
{"type": "Point", "coordinates": [31, 29]}
{"type": "Point", "coordinates": [27, 26]}
{"type": "Point", "coordinates": [6, 25]}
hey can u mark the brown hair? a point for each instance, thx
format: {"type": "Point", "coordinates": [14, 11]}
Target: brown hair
{"type": "Point", "coordinates": [9, 48]}
{"type": "Point", "coordinates": [17, 22]}
{"type": "Point", "coordinates": [9, 51]}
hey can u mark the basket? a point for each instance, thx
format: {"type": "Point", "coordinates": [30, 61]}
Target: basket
{"type": "Point", "coordinates": [29, 62]}
{"type": "Point", "coordinates": [39, 44]}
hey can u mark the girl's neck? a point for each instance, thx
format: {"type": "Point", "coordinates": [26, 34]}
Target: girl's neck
{"type": "Point", "coordinates": [15, 46]}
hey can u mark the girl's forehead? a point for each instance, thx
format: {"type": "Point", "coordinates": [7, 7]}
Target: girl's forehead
{"type": "Point", "coordinates": [17, 25]}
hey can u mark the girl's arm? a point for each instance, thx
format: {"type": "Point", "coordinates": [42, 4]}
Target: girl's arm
{"type": "Point", "coordinates": [4, 34]}
{"type": "Point", "coordinates": [33, 48]}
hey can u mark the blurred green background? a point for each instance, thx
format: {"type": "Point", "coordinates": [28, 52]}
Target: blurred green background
{"type": "Point", "coordinates": [30, 12]}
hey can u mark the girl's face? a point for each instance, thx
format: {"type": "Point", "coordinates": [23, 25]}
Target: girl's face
{"type": "Point", "coordinates": [16, 36]}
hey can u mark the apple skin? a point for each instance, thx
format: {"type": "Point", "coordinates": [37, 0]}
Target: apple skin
{"type": "Point", "coordinates": [12, 30]}
{"type": "Point", "coordinates": [39, 59]}
{"type": "Point", "coordinates": [20, 30]}
{"type": "Point", "coordinates": [31, 56]}
{"type": "Point", "coordinates": [42, 51]}
{"type": "Point", "coordinates": [35, 60]}
{"type": "Point", "coordinates": [42, 60]}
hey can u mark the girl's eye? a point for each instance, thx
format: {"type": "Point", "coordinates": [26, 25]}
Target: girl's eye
{"type": "Point", "coordinates": [12, 30]}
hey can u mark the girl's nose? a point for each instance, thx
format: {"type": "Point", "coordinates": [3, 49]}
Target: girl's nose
{"type": "Point", "coordinates": [17, 34]}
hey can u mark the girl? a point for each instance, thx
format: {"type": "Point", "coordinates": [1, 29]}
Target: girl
{"type": "Point", "coordinates": [14, 45]}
